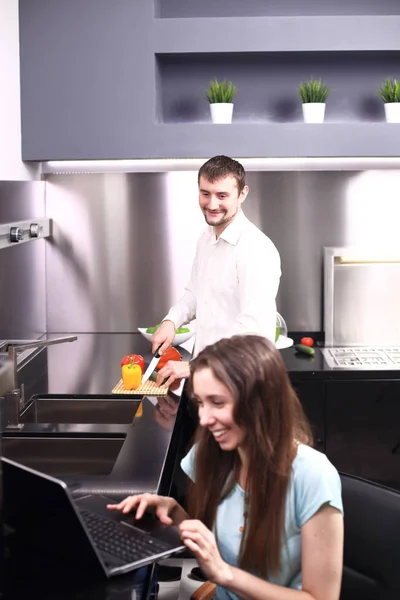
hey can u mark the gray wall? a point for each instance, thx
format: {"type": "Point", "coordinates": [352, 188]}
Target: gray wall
{"type": "Point", "coordinates": [82, 64]}
{"type": "Point", "coordinates": [110, 80]}
{"type": "Point", "coordinates": [124, 243]}
{"type": "Point", "coordinates": [22, 268]}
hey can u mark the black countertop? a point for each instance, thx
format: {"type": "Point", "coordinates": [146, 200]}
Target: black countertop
{"type": "Point", "coordinates": [91, 365]}
{"type": "Point", "coordinates": [301, 366]}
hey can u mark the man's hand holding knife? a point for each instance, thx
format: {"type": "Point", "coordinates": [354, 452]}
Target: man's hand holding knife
{"type": "Point", "coordinates": [161, 340]}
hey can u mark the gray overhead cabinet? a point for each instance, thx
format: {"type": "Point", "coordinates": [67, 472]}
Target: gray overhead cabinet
{"type": "Point", "coordinates": [127, 79]}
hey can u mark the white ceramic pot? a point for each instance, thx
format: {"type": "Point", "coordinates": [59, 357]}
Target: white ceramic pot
{"type": "Point", "coordinates": [221, 112]}
{"type": "Point", "coordinates": [392, 112]}
{"type": "Point", "coordinates": [314, 112]}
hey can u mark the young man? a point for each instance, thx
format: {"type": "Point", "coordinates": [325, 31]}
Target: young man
{"type": "Point", "coordinates": [235, 274]}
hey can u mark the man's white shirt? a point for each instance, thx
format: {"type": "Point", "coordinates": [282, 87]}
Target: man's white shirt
{"type": "Point", "coordinates": [233, 285]}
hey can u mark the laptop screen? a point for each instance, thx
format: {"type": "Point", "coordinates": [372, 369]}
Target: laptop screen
{"type": "Point", "coordinates": [40, 511]}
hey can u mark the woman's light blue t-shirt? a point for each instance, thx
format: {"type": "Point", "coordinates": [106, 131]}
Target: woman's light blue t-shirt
{"type": "Point", "coordinates": [314, 482]}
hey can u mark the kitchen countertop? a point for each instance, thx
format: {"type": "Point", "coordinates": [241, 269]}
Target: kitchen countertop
{"type": "Point", "coordinates": [91, 365]}
{"type": "Point", "coordinates": [302, 366]}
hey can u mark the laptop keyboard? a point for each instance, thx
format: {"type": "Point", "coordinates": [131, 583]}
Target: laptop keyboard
{"type": "Point", "coordinates": [109, 537]}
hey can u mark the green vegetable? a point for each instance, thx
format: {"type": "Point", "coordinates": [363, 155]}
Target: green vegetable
{"type": "Point", "coordinates": [277, 333]}
{"type": "Point", "coordinates": [179, 330]}
{"type": "Point", "coordinates": [152, 329]}
{"type": "Point", "coordinates": [153, 376]}
{"type": "Point", "coordinates": [304, 349]}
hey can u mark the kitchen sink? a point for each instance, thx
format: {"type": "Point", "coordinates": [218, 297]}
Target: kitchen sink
{"type": "Point", "coordinates": [60, 456]}
{"type": "Point", "coordinates": [44, 409]}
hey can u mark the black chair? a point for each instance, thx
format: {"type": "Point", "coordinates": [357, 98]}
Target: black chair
{"type": "Point", "coordinates": [371, 540]}
{"type": "Point", "coordinates": [371, 568]}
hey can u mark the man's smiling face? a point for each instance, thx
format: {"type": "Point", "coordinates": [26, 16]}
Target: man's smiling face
{"type": "Point", "coordinates": [220, 201]}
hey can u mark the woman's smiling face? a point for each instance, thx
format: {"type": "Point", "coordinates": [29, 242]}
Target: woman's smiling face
{"type": "Point", "coordinates": [215, 408]}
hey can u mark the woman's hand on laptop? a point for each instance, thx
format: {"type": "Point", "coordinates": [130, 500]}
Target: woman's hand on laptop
{"type": "Point", "coordinates": [167, 509]}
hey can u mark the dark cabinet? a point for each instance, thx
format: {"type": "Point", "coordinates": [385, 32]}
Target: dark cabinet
{"type": "Point", "coordinates": [311, 395]}
{"type": "Point", "coordinates": [357, 424]}
{"type": "Point", "coordinates": [363, 429]}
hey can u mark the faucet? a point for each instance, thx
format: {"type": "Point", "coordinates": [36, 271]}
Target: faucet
{"type": "Point", "coordinates": [14, 398]}
{"type": "Point", "coordinates": [6, 377]}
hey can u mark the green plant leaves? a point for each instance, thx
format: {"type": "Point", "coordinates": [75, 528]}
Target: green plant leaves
{"type": "Point", "coordinates": [221, 91]}
{"type": "Point", "coordinates": [390, 90]}
{"type": "Point", "coordinates": [313, 90]}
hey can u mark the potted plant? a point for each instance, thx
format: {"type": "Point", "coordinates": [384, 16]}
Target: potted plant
{"type": "Point", "coordinates": [220, 95]}
{"type": "Point", "coordinates": [313, 94]}
{"type": "Point", "coordinates": [390, 94]}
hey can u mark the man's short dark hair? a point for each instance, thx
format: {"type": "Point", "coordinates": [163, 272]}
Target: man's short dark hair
{"type": "Point", "coordinates": [219, 167]}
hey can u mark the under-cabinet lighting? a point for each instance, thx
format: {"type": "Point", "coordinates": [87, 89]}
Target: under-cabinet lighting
{"type": "Point", "coordinates": [193, 164]}
{"type": "Point", "coordinates": [354, 260]}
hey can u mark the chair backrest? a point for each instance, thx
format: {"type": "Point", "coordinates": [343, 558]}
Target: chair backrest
{"type": "Point", "coordinates": [371, 540]}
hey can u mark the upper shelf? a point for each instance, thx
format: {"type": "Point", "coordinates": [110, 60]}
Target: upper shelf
{"type": "Point", "coordinates": [268, 84]}
{"type": "Point", "coordinates": [247, 140]}
{"type": "Point", "coordinates": [277, 34]}
{"type": "Point", "coordinates": [167, 9]}
{"type": "Point", "coordinates": [276, 140]}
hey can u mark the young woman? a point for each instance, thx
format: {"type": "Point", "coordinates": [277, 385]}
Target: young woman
{"type": "Point", "coordinates": [264, 514]}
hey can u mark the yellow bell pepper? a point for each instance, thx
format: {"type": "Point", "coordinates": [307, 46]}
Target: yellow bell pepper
{"type": "Point", "coordinates": [131, 376]}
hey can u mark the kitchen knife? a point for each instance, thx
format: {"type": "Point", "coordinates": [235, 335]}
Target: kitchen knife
{"type": "Point", "coordinates": [152, 365]}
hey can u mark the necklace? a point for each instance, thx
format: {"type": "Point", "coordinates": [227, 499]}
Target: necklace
{"type": "Point", "coordinates": [246, 496]}
{"type": "Point", "coordinates": [245, 512]}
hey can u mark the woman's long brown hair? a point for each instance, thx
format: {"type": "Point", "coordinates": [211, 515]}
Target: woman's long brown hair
{"type": "Point", "coordinates": [268, 409]}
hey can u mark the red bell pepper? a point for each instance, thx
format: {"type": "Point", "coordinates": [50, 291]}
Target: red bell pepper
{"type": "Point", "coordinates": [133, 359]}
{"type": "Point", "coordinates": [170, 354]}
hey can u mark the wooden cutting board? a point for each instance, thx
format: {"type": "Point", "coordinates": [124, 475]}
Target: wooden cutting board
{"type": "Point", "coordinates": [149, 388]}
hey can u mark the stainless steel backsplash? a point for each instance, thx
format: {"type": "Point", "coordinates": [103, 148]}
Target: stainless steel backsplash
{"type": "Point", "coordinates": [124, 243]}
{"type": "Point", "coordinates": [22, 268]}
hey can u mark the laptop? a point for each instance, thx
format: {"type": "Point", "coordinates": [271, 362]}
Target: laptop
{"type": "Point", "coordinates": [41, 510]}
